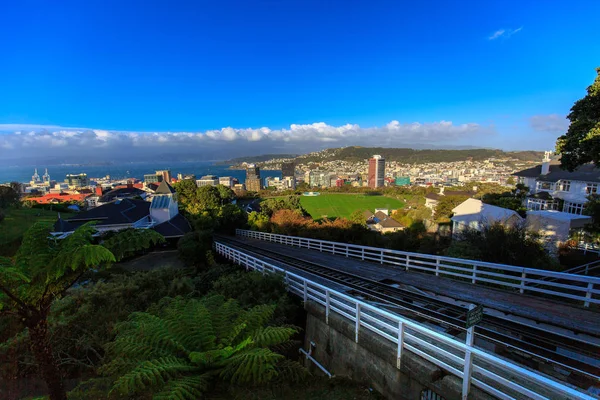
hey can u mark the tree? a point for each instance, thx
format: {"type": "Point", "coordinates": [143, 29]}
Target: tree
{"type": "Point", "coordinates": [192, 247]}
{"type": "Point", "coordinates": [258, 221]}
{"type": "Point", "coordinates": [226, 194]}
{"type": "Point", "coordinates": [231, 217]}
{"type": "Point", "coordinates": [496, 243]}
{"type": "Point", "coordinates": [186, 191]}
{"type": "Point", "coordinates": [581, 143]}
{"type": "Point", "coordinates": [592, 208]}
{"type": "Point", "coordinates": [41, 272]}
{"type": "Point", "coordinates": [8, 197]}
{"type": "Point", "coordinates": [358, 217]}
{"type": "Point", "coordinates": [178, 349]}
{"type": "Point", "coordinates": [128, 242]}
{"type": "Point", "coordinates": [443, 210]}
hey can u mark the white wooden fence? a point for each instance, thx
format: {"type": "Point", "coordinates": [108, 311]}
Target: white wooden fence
{"type": "Point", "coordinates": [562, 285]}
{"type": "Point", "coordinates": [492, 374]}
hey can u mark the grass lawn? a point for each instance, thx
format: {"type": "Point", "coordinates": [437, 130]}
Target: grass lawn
{"type": "Point", "coordinates": [17, 221]}
{"type": "Point", "coordinates": [342, 205]}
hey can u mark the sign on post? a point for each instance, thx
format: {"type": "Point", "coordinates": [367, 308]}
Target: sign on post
{"type": "Point", "coordinates": [474, 316]}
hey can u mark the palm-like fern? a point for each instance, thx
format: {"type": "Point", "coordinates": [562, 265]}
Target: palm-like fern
{"type": "Point", "coordinates": [176, 350]}
{"type": "Point", "coordinates": [43, 270]}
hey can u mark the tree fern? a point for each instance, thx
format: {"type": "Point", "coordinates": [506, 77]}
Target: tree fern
{"type": "Point", "coordinates": [42, 270]}
{"type": "Point", "coordinates": [177, 348]}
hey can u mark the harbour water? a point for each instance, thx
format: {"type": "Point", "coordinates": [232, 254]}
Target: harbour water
{"type": "Point", "coordinates": [126, 170]}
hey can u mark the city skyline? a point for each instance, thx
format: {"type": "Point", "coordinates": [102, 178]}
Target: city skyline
{"type": "Point", "coordinates": [234, 79]}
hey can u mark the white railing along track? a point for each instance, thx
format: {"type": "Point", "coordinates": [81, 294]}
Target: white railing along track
{"type": "Point", "coordinates": [494, 375]}
{"type": "Point", "coordinates": [585, 289]}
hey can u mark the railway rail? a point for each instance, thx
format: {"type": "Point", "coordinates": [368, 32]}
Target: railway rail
{"type": "Point", "coordinates": [522, 341]}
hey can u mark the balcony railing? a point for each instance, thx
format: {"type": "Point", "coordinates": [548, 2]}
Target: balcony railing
{"type": "Point", "coordinates": [490, 373]}
{"type": "Point", "coordinates": [584, 289]}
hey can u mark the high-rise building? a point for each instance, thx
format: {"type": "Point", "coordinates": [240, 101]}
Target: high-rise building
{"type": "Point", "coordinates": [226, 181]}
{"type": "Point", "coordinates": [207, 180]}
{"type": "Point", "coordinates": [152, 178]}
{"type": "Point", "coordinates": [77, 180]}
{"type": "Point", "coordinates": [253, 183]}
{"type": "Point", "coordinates": [288, 169]}
{"type": "Point", "coordinates": [166, 174]}
{"type": "Point", "coordinates": [376, 174]}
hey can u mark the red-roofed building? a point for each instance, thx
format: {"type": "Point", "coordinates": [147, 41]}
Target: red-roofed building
{"type": "Point", "coordinates": [55, 198]}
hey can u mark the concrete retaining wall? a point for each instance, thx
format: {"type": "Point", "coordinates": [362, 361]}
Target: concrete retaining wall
{"type": "Point", "coordinates": [372, 360]}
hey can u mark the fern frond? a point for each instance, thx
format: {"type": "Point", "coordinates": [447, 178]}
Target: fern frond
{"type": "Point", "coordinates": [290, 371]}
{"type": "Point", "coordinates": [185, 388]}
{"type": "Point", "coordinates": [258, 316]}
{"type": "Point", "coordinates": [152, 373]}
{"type": "Point", "coordinates": [252, 366]}
{"type": "Point", "coordinates": [272, 335]}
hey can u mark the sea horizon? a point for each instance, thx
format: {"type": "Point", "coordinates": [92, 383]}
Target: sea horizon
{"type": "Point", "coordinates": [124, 170]}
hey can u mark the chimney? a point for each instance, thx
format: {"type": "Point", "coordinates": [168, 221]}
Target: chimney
{"type": "Point", "coordinates": [98, 190]}
{"type": "Point", "coordinates": [546, 163]}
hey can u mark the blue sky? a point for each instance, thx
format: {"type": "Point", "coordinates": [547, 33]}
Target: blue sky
{"type": "Point", "coordinates": [496, 73]}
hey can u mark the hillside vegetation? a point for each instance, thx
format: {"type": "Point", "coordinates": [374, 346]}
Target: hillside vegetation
{"type": "Point", "coordinates": [355, 154]}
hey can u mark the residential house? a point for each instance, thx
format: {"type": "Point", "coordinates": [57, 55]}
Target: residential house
{"type": "Point", "coordinates": [161, 214]}
{"type": "Point", "coordinates": [554, 188]}
{"type": "Point", "coordinates": [433, 199]}
{"type": "Point", "coordinates": [475, 214]}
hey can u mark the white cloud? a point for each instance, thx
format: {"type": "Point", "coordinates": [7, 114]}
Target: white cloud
{"type": "Point", "coordinates": [69, 143]}
{"type": "Point", "coordinates": [504, 33]}
{"type": "Point", "coordinates": [552, 123]}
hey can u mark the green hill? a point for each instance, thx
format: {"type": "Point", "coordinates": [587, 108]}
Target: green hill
{"type": "Point", "coordinates": [410, 156]}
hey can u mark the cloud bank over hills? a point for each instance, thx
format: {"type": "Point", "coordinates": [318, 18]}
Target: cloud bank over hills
{"type": "Point", "coordinates": [39, 142]}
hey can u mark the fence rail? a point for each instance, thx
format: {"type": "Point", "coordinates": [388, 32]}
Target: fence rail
{"type": "Point", "coordinates": [494, 375]}
{"type": "Point", "coordinates": [585, 289]}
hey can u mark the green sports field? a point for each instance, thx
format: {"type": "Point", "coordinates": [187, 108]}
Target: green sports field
{"type": "Point", "coordinates": [342, 205]}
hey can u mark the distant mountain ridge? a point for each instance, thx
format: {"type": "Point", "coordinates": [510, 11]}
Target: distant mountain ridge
{"type": "Point", "coordinates": [404, 155]}
{"type": "Point", "coordinates": [410, 156]}
{"type": "Point", "coordinates": [254, 159]}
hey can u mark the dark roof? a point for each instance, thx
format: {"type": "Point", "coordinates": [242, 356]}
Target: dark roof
{"type": "Point", "coordinates": [380, 215]}
{"type": "Point", "coordinates": [175, 227]}
{"type": "Point", "coordinates": [118, 212]}
{"type": "Point", "coordinates": [585, 173]}
{"type": "Point", "coordinates": [121, 193]}
{"type": "Point", "coordinates": [152, 186]}
{"type": "Point", "coordinates": [368, 214]}
{"type": "Point", "coordinates": [541, 195]}
{"type": "Point", "coordinates": [164, 188]}
{"type": "Point", "coordinates": [388, 222]}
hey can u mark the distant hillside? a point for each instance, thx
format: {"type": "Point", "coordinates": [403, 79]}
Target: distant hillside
{"type": "Point", "coordinates": [410, 156]}
{"type": "Point", "coordinates": [256, 159]}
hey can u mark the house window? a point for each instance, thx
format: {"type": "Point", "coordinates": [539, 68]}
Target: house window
{"type": "Point", "coordinates": [538, 204]}
{"type": "Point", "coordinates": [545, 185]}
{"type": "Point", "coordinates": [564, 186]}
{"type": "Point", "coordinates": [591, 188]}
{"type": "Point", "coordinates": [573, 208]}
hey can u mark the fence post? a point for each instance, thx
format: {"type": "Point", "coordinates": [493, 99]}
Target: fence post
{"type": "Point", "coordinates": [381, 256]}
{"type": "Point", "coordinates": [327, 307]}
{"type": "Point", "coordinates": [523, 275]}
{"type": "Point", "coordinates": [305, 293]}
{"type": "Point", "coordinates": [474, 275]}
{"type": "Point", "coordinates": [437, 266]}
{"type": "Point", "coordinates": [346, 251]}
{"type": "Point", "coordinates": [407, 262]}
{"type": "Point", "coordinates": [400, 343]}
{"type": "Point", "coordinates": [588, 295]}
{"type": "Point", "coordinates": [466, 386]}
{"type": "Point", "coordinates": [357, 324]}
{"type": "Point", "coordinates": [362, 253]}
{"type": "Point", "coordinates": [321, 246]}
